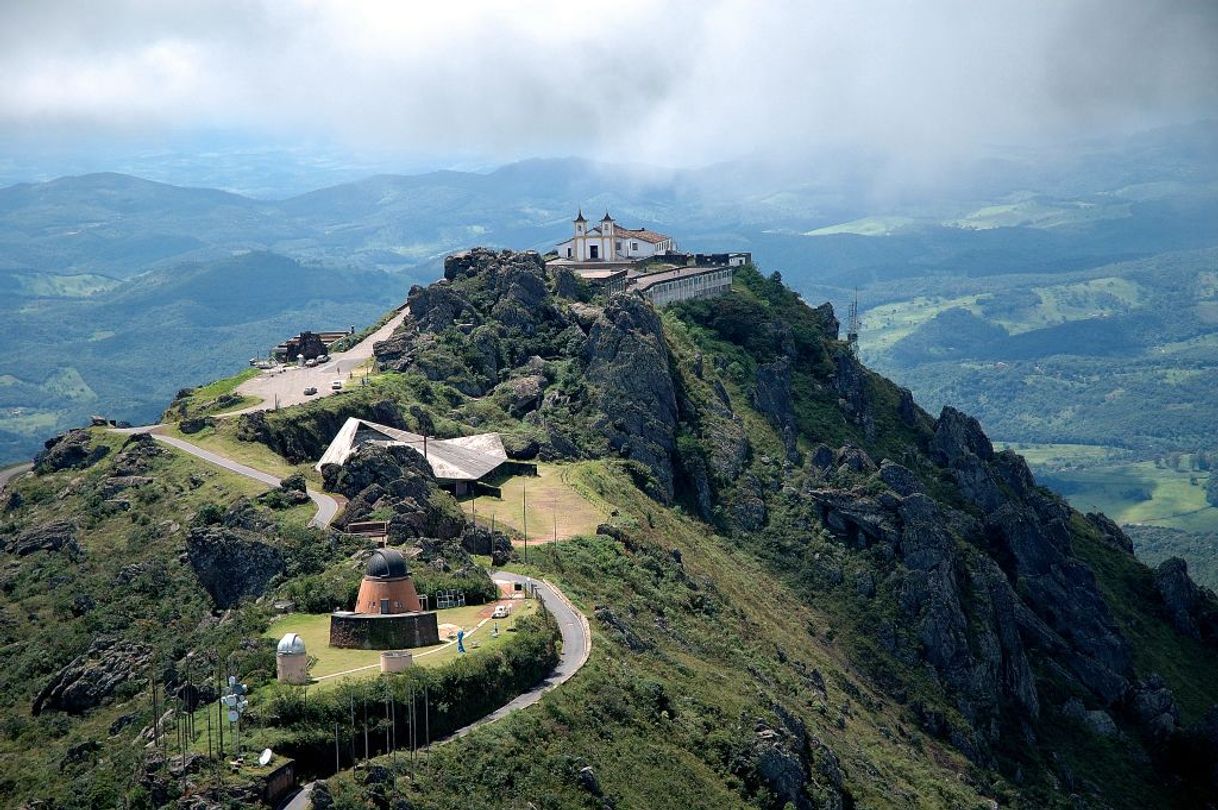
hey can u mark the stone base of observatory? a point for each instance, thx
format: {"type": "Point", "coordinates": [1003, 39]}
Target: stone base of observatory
{"type": "Point", "coordinates": [383, 631]}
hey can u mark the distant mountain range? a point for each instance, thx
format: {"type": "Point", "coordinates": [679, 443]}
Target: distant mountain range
{"type": "Point", "coordinates": [116, 290]}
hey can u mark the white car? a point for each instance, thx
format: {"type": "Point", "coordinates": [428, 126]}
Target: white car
{"type": "Point", "coordinates": [337, 385]}
{"type": "Point", "coordinates": [500, 612]}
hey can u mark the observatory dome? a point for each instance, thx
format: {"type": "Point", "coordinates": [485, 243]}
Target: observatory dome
{"type": "Point", "coordinates": [386, 563]}
{"type": "Point", "coordinates": [291, 644]}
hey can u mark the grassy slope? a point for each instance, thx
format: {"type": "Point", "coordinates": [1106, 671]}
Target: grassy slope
{"type": "Point", "coordinates": [727, 643]}
{"type": "Point", "coordinates": [158, 601]}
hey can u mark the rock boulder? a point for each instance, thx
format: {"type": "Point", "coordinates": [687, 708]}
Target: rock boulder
{"type": "Point", "coordinates": [89, 679]}
{"type": "Point", "coordinates": [71, 450]}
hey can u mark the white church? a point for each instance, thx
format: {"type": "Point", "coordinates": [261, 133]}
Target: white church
{"type": "Point", "coordinates": [610, 242]}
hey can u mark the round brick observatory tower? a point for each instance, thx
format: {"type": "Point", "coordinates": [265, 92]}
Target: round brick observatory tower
{"type": "Point", "coordinates": [388, 614]}
{"type": "Point", "coordinates": [387, 587]}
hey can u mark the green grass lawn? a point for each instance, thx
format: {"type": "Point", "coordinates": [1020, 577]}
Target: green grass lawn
{"type": "Point", "coordinates": [314, 628]}
{"type": "Point", "coordinates": [557, 502]}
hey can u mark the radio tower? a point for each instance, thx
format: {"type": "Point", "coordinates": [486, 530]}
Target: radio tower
{"type": "Point", "coordinates": [852, 327]}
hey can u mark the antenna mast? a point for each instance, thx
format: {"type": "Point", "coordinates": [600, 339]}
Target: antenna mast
{"type": "Point", "coordinates": [852, 327]}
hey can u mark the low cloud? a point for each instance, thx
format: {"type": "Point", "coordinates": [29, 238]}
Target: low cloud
{"type": "Point", "coordinates": [679, 83]}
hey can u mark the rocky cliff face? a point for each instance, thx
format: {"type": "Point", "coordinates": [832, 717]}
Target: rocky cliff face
{"type": "Point", "coordinates": [231, 559]}
{"type": "Point", "coordinates": [634, 399]}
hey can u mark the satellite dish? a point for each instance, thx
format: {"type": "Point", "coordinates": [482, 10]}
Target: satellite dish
{"type": "Point", "coordinates": [265, 757]}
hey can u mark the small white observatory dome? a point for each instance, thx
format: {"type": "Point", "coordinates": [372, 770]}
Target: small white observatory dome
{"type": "Point", "coordinates": [291, 644]}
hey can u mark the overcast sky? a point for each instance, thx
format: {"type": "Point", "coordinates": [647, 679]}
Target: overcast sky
{"type": "Point", "coordinates": [681, 83]}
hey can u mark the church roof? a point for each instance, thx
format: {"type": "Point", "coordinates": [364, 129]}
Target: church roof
{"type": "Point", "coordinates": [580, 218]}
{"type": "Point", "coordinates": [606, 217]}
{"type": "Point", "coordinates": [465, 458]}
{"type": "Point", "coordinates": [643, 234]}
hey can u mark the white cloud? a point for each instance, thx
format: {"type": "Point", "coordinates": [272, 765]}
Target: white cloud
{"type": "Point", "coordinates": [676, 83]}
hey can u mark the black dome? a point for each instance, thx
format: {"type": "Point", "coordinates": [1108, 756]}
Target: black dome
{"type": "Point", "coordinates": [386, 563]}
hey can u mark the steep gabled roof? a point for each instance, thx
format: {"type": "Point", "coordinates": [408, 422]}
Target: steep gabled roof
{"type": "Point", "coordinates": [466, 458]}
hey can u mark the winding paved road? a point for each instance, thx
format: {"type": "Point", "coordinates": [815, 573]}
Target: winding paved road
{"type": "Point", "coordinates": [327, 506]}
{"type": "Point", "coordinates": [576, 647]}
{"type": "Point", "coordinates": [8, 473]}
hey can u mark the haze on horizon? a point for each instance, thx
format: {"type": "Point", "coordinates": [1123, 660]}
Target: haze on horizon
{"type": "Point", "coordinates": [911, 86]}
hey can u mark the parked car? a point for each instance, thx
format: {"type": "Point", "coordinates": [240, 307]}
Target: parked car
{"type": "Point", "coordinates": [325, 358]}
{"type": "Point", "coordinates": [500, 612]}
{"type": "Point", "coordinates": [312, 361]}
{"type": "Point", "coordinates": [310, 391]}
{"type": "Point", "coordinates": [337, 385]}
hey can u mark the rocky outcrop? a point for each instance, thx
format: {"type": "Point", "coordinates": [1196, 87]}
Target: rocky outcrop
{"type": "Point", "coordinates": [396, 478]}
{"type": "Point", "coordinates": [437, 306]}
{"type": "Point", "coordinates": [635, 399]}
{"type": "Point", "coordinates": [232, 563]}
{"type": "Point", "coordinates": [480, 540]}
{"type": "Point", "coordinates": [620, 629]}
{"type": "Point", "coordinates": [1110, 532]}
{"type": "Point", "coordinates": [899, 479]}
{"type": "Point", "coordinates": [73, 450]}
{"type": "Point", "coordinates": [772, 396]}
{"type": "Point", "coordinates": [781, 766]}
{"type": "Point", "coordinates": [1154, 706]}
{"type": "Point", "coordinates": [292, 491]}
{"type": "Point", "coordinates": [59, 535]}
{"type": "Point", "coordinates": [521, 395]}
{"type": "Point", "coordinates": [959, 444]}
{"type": "Point", "coordinates": [1192, 610]}
{"type": "Point", "coordinates": [89, 679]}
{"type": "Point", "coordinates": [850, 383]}
{"type": "Point", "coordinates": [748, 508]}
{"type": "Point", "coordinates": [1097, 721]}
{"type": "Point", "coordinates": [137, 455]}
{"type": "Point", "coordinates": [1062, 592]}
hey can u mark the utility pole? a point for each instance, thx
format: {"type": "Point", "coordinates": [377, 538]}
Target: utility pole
{"type": "Point", "coordinates": [219, 709]}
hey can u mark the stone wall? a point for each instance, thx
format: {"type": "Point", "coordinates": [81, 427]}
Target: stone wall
{"type": "Point", "coordinates": [391, 632]}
